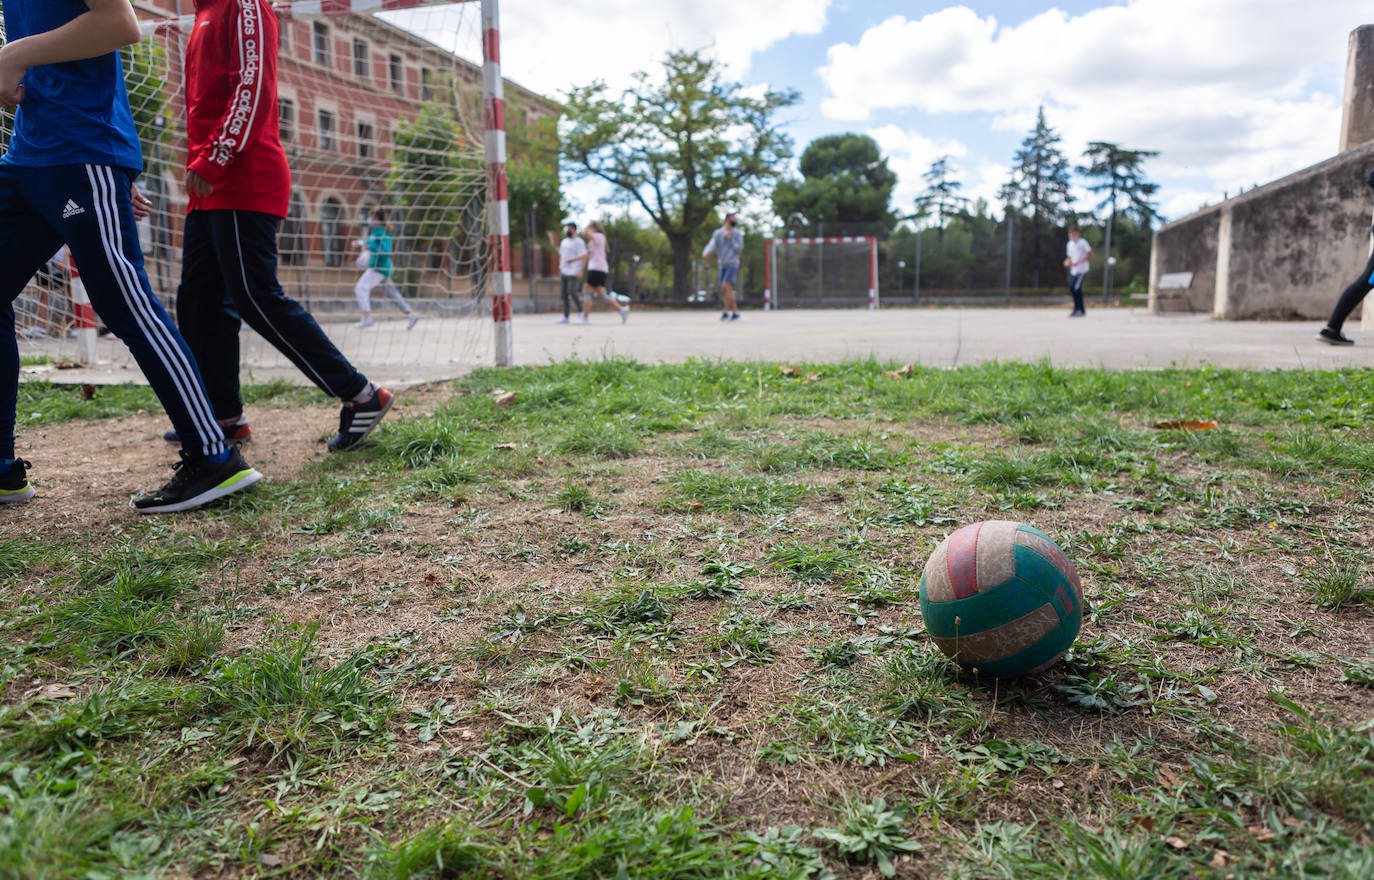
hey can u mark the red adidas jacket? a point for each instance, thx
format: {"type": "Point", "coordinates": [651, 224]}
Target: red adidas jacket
{"type": "Point", "coordinates": [231, 107]}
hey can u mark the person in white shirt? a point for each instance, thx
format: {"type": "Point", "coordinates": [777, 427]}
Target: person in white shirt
{"type": "Point", "coordinates": [1079, 255]}
{"type": "Point", "coordinates": [572, 253]}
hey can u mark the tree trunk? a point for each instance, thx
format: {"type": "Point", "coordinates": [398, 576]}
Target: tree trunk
{"type": "Point", "coordinates": [681, 243]}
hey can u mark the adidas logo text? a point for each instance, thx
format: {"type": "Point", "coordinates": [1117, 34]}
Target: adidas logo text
{"type": "Point", "coordinates": [71, 210]}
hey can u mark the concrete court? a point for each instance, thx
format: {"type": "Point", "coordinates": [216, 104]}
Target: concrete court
{"type": "Point", "coordinates": [1115, 338]}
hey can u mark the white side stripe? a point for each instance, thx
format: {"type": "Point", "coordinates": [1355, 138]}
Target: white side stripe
{"type": "Point", "coordinates": [158, 334]}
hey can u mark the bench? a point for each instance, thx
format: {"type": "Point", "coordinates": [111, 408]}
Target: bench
{"type": "Point", "coordinates": [1175, 285]}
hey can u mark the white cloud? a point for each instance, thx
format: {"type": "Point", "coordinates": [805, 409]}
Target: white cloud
{"type": "Point", "coordinates": [910, 155]}
{"type": "Point", "coordinates": [551, 45]}
{"type": "Point", "coordinates": [1223, 89]}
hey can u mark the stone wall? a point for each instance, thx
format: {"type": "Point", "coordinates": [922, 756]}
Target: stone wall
{"type": "Point", "coordinates": [1283, 250]}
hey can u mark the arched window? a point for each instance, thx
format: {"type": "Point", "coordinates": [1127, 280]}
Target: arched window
{"type": "Point", "coordinates": [291, 241]}
{"type": "Point", "coordinates": [332, 232]}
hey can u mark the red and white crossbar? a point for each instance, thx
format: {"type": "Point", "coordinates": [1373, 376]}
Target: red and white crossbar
{"type": "Point", "coordinates": [769, 245]}
{"type": "Point", "coordinates": [301, 9]}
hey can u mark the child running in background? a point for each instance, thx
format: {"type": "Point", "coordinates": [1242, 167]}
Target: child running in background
{"type": "Point", "coordinates": [378, 247]}
{"type": "Point", "coordinates": [598, 270]}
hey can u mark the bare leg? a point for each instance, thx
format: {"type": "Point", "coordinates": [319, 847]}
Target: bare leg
{"type": "Point", "coordinates": [727, 293]}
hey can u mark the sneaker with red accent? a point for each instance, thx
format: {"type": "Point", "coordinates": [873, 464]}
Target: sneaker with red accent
{"type": "Point", "coordinates": [233, 434]}
{"type": "Point", "coordinates": [356, 420]}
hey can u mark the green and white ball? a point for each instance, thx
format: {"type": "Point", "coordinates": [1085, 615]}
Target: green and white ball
{"type": "Point", "coordinates": [1001, 599]}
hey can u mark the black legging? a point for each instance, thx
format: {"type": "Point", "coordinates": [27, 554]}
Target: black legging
{"type": "Point", "coordinates": [1351, 296]}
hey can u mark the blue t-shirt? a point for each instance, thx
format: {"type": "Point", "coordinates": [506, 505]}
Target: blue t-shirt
{"type": "Point", "coordinates": [74, 113]}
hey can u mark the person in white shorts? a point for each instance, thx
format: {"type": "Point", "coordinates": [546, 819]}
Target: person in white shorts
{"type": "Point", "coordinates": [378, 249]}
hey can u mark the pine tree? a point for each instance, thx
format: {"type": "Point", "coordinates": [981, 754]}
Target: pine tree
{"type": "Point", "coordinates": [1120, 178]}
{"type": "Point", "coordinates": [1042, 176]}
{"type": "Point", "coordinates": [940, 197]}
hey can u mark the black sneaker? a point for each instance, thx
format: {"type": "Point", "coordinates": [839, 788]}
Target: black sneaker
{"type": "Point", "coordinates": [1333, 337]}
{"type": "Point", "coordinates": [198, 481]}
{"type": "Point", "coordinates": [14, 485]}
{"type": "Point", "coordinates": [356, 420]}
{"type": "Point", "coordinates": [234, 434]}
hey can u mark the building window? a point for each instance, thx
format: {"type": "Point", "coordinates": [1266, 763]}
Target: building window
{"type": "Point", "coordinates": [291, 242]}
{"type": "Point", "coordinates": [286, 119]}
{"type": "Point", "coordinates": [360, 58]}
{"type": "Point", "coordinates": [322, 53]}
{"type": "Point", "coordinates": [331, 231]}
{"type": "Point", "coordinates": [426, 84]}
{"type": "Point", "coordinates": [397, 72]}
{"type": "Point", "coordinates": [366, 141]}
{"type": "Point", "coordinates": [327, 131]}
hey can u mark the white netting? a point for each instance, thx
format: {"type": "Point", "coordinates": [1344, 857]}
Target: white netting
{"type": "Point", "coordinates": [822, 273]}
{"type": "Point", "coordinates": [377, 110]}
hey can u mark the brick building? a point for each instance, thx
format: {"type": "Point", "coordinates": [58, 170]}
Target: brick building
{"type": "Point", "coordinates": [345, 84]}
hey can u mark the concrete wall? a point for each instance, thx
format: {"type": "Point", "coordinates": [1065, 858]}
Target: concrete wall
{"type": "Point", "coordinates": [1187, 245]}
{"type": "Point", "coordinates": [1283, 250]}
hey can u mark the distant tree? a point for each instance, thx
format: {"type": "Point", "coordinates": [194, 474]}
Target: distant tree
{"type": "Point", "coordinates": [433, 185]}
{"type": "Point", "coordinates": [845, 182]}
{"type": "Point", "coordinates": [680, 147]}
{"type": "Point", "coordinates": [1041, 174]}
{"type": "Point", "coordinates": [941, 197]}
{"type": "Point", "coordinates": [1119, 179]}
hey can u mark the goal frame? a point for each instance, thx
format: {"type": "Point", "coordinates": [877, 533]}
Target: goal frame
{"type": "Point", "coordinates": [770, 265]}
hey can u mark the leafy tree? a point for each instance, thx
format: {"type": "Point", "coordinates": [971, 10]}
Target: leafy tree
{"type": "Point", "coordinates": [1041, 177]}
{"type": "Point", "coordinates": [940, 197]}
{"type": "Point", "coordinates": [1119, 178]}
{"type": "Point", "coordinates": [432, 183]}
{"type": "Point", "coordinates": [679, 147]}
{"type": "Point", "coordinates": [845, 180]}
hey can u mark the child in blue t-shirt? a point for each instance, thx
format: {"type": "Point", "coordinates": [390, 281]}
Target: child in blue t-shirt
{"type": "Point", "coordinates": [68, 178]}
{"type": "Point", "coordinates": [378, 248]}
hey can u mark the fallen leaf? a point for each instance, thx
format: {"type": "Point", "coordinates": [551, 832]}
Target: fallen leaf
{"type": "Point", "coordinates": [1146, 822]}
{"type": "Point", "coordinates": [907, 370]}
{"type": "Point", "coordinates": [64, 364]}
{"type": "Point", "coordinates": [88, 392]}
{"type": "Point", "coordinates": [466, 733]}
{"type": "Point", "coordinates": [504, 400]}
{"type": "Point", "coordinates": [538, 460]}
{"type": "Point", "coordinates": [1176, 842]}
{"type": "Point", "coordinates": [1058, 783]}
{"type": "Point", "coordinates": [270, 860]}
{"type": "Point", "coordinates": [1168, 777]}
{"type": "Point", "coordinates": [1262, 833]}
{"type": "Point", "coordinates": [50, 692]}
{"type": "Point", "coordinates": [811, 377]}
{"type": "Point", "coordinates": [695, 505]}
{"type": "Point", "coordinates": [892, 374]}
{"type": "Point", "coordinates": [1187, 425]}
{"type": "Point", "coordinates": [786, 370]}
{"type": "Point", "coordinates": [234, 762]}
{"type": "Point", "coordinates": [1294, 823]}
{"type": "Point", "coordinates": [505, 446]}
{"type": "Point", "coordinates": [1220, 858]}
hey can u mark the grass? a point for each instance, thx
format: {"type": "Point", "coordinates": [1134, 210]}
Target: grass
{"type": "Point", "coordinates": [661, 621]}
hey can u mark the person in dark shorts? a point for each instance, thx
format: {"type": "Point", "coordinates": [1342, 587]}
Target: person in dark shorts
{"type": "Point", "coordinates": [598, 271]}
{"type": "Point", "coordinates": [1352, 296]}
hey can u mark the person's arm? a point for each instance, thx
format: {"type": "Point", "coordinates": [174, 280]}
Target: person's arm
{"type": "Point", "coordinates": [710, 246]}
{"type": "Point", "coordinates": [243, 120]}
{"type": "Point", "coordinates": [109, 25]}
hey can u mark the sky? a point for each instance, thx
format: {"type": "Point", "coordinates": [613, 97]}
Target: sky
{"type": "Point", "coordinates": [1232, 93]}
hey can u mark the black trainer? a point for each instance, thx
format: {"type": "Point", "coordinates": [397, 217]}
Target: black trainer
{"type": "Point", "coordinates": [14, 485]}
{"type": "Point", "coordinates": [356, 420]}
{"type": "Point", "coordinates": [1333, 337]}
{"type": "Point", "coordinates": [234, 434]}
{"type": "Point", "coordinates": [198, 481]}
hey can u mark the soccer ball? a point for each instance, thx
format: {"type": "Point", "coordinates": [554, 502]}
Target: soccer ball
{"type": "Point", "coordinates": [1001, 599]}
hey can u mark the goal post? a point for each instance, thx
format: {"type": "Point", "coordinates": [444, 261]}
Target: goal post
{"type": "Point", "coordinates": [397, 105]}
{"type": "Point", "coordinates": [828, 272]}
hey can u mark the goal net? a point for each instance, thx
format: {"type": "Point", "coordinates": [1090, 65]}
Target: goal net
{"type": "Point", "coordinates": [822, 273]}
{"type": "Point", "coordinates": [380, 105]}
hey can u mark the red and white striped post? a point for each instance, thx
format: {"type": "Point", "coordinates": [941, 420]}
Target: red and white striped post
{"type": "Point", "coordinates": [85, 315]}
{"type": "Point", "coordinates": [498, 204]}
